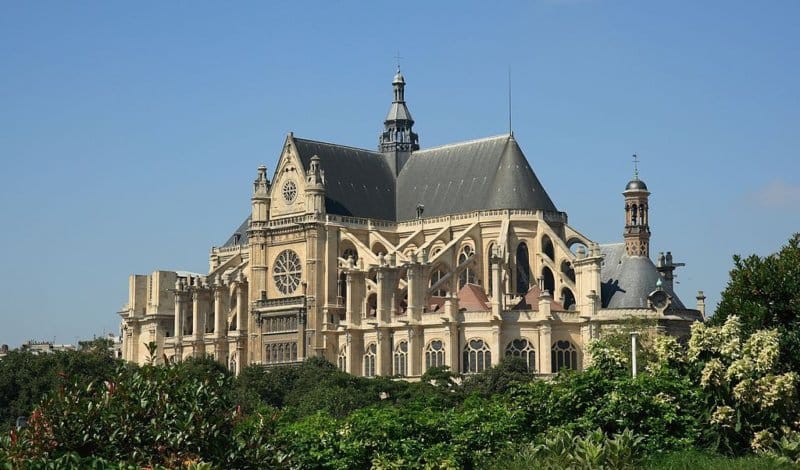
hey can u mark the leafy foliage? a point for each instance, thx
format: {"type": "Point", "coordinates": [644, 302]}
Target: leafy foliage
{"type": "Point", "coordinates": [763, 292]}
{"type": "Point", "coordinates": [26, 378]}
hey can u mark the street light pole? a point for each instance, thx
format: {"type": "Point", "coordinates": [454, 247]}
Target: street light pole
{"type": "Point", "coordinates": [634, 336]}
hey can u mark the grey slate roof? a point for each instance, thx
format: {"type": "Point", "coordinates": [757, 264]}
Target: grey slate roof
{"type": "Point", "coordinates": [399, 112]}
{"type": "Point", "coordinates": [241, 239]}
{"type": "Point", "coordinates": [490, 173]}
{"type": "Point", "coordinates": [626, 281]}
{"type": "Point", "coordinates": [357, 182]}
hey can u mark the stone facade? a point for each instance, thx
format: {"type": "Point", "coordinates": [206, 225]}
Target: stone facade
{"type": "Point", "coordinates": [308, 275]}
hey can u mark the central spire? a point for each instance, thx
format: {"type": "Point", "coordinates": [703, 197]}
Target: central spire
{"type": "Point", "coordinates": [398, 140]}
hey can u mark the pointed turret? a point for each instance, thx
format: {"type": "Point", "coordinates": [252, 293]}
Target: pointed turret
{"type": "Point", "coordinates": [398, 140]}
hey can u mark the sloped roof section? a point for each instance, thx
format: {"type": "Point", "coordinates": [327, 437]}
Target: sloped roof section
{"type": "Point", "coordinates": [239, 236]}
{"type": "Point", "coordinates": [358, 182]}
{"type": "Point", "coordinates": [473, 298]}
{"type": "Point", "coordinates": [626, 281]}
{"type": "Point", "coordinates": [490, 173]}
{"type": "Point", "coordinates": [531, 302]}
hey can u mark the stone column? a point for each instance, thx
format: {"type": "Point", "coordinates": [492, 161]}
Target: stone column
{"type": "Point", "coordinates": [383, 364]}
{"type": "Point", "coordinates": [241, 307]}
{"type": "Point", "coordinates": [415, 351]}
{"type": "Point", "coordinates": [355, 349]}
{"type": "Point", "coordinates": [353, 302]}
{"type": "Point", "coordinates": [219, 314]}
{"type": "Point", "coordinates": [453, 351]}
{"type": "Point", "coordinates": [545, 345]}
{"type": "Point", "coordinates": [497, 292]}
{"type": "Point", "coordinates": [414, 283]}
{"type": "Point", "coordinates": [497, 342]}
{"type": "Point", "coordinates": [197, 331]}
{"type": "Point", "coordinates": [178, 313]}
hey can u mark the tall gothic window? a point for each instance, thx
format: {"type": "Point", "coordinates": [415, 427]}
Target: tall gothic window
{"type": "Point", "coordinates": [401, 359]}
{"type": "Point", "coordinates": [523, 349]}
{"type": "Point", "coordinates": [564, 355]}
{"type": "Point", "coordinates": [350, 252]}
{"type": "Point", "coordinates": [342, 359]}
{"type": "Point", "coordinates": [370, 356]}
{"type": "Point", "coordinates": [436, 276]}
{"type": "Point", "coordinates": [549, 280]}
{"type": "Point", "coordinates": [523, 269]}
{"type": "Point", "coordinates": [547, 247]}
{"type": "Point", "coordinates": [434, 354]}
{"type": "Point", "coordinates": [568, 298]}
{"type": "Point", "coordinates": [477, 356]}
{"type": "Point", "coordinates": [467, 275]}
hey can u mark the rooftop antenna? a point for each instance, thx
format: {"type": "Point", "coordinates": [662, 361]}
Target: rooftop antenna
{"type": "Point", "coordinates": [635, 166]}
{"type": "Point", "coordinates": [510, 129]}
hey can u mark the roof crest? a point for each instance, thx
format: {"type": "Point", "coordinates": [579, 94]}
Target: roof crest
{"type": "Point", "coordinates": [466, 142]}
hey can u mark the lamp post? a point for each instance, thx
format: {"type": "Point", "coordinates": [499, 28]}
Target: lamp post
{"type": "Point", "coordinates": [634, 336]}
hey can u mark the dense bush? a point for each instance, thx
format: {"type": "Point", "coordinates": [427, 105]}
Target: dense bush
{"type": "Point", "coordinates": [25, 378]}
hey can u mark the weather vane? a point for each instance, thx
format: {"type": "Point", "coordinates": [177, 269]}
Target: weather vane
{"type": "Point", "coordinates": [635, 166]}
{"type": "Point", "coordinates": [397, 57]}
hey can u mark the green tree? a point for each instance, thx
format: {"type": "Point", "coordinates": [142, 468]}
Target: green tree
{"type": "Point", "coordinates": [764, 292]}
{"type": "Point", "coordinates": [25, 378]}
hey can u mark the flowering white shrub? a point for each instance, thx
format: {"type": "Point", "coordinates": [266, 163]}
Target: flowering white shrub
{"type": "Point", "coordinates": [743, 374]}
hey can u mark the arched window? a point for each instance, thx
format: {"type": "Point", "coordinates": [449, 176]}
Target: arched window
{"type": "Point", "coordinates": [370, 354]}
{"type": "Point", "coordinates": [342, 359]}
{"type": "Point", "coordinates": [634, 212]}
{"type": "Point", "coordinates": [401, 359]}
{"type": "Point", "coordinates": [477, 356]}
{"type": "Point", "coordinates": [434, 354]}
{"type": "Point", "coordinates": [549, 280]}
{"type": "Point", "coordinates": [378, 249]}
{"type": "Point", "coordinates": [437, 275]}
{"type": "Point", "coordinates": [547, 247]}
{"type": "Point", "coordinates": [467, 275]}
{"type": "Point", "coordinates": [523, 349]}
{"type": "Point", "coordinates": [523, 269]}
{"type": "Point", "coordinates": [567, 270]}
{"type": "Point", "coordinates": [564, 355]}
{"type": "Point", "coordinates": [568, 298]}
{"type": "Point", "coordinates": [350, 252]}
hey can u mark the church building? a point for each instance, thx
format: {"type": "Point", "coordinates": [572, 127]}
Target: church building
{"type": "Point", "coordinates": [392, 261]}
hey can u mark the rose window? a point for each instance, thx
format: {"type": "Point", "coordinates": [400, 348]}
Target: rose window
{"type": "Point", "coordinates": [286, 271]}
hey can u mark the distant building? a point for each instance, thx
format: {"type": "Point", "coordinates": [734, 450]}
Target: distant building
{"type": "Point", "coordinates": [393, 261]}
{"type": "Point", "coordinates": [44, 347]}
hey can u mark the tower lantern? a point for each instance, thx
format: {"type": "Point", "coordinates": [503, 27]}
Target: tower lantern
{"type": "Point", "coordinates": [637, 217]}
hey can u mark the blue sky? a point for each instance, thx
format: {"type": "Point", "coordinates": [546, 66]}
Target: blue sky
{"type": "Point", "coordinates": [130, 131]}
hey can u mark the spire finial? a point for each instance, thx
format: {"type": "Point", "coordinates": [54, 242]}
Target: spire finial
{"type": "Point", "coordinates": [510, 129]}
{"type": "Point", "coordinates": [635, 166]}
{"type": "Point", "coordinates": [397, 58]}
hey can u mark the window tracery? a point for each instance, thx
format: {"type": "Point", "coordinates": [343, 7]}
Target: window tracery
{"type": "Point", "coordinates": [523, 349]}
{"type": "Point", "coordinates": [477, 356]}
{"type": "Point", "coordinates": [564, 355]}
{"type": "Point", "coordinates": [434, 354]}
{"type": "Point", "coordinates": [287, 271]}
{"type": "Point", "coordinates": [370, 355]}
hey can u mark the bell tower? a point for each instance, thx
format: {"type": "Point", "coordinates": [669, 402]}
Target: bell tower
{"type": "Point", "coordinates": [637, 215]}
{"type": "Point", "coordinates": [398, 140]}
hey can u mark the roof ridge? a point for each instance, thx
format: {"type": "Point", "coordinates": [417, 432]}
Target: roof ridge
{"type": "Point", "coordinates": [466, 142]}
{"type": "Point", "coordinates": [332, 144]}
